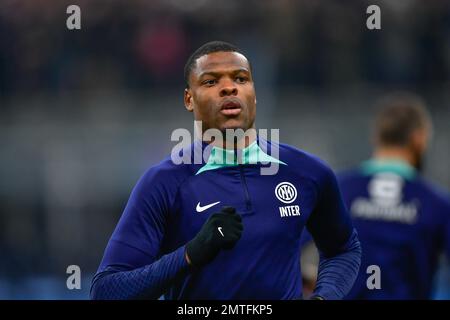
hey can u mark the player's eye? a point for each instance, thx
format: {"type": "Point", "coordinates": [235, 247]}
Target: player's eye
{"type": "Point", "coordinates": [209, 82]}
{"type": "Point", "coordinates": [241, 79]}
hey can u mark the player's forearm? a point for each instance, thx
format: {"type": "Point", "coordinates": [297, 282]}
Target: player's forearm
{"type": "Point", "coordinates": [337, 274]}
{"type": "Point", "coordinates": [150, 281]}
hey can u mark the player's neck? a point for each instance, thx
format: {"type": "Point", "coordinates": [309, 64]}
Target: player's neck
{"type": "Point", "coordinates": [234, 143]}
{"type": "Point", "coordinates": [394, 153]}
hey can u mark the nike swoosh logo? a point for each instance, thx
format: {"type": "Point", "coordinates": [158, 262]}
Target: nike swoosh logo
{"type": "Point", "coordinates": [203, 208]}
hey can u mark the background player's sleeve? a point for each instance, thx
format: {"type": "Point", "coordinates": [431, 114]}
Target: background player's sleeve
{"type": "Point", "coordinates": [336, 239]}
{"type": "Point", "coordinates": [446, 212]}
{"type": "Point", "coordinates": [131, 267]}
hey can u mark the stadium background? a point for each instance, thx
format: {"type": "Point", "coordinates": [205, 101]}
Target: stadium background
{"type": "Point", "coordinates": [83, 113]}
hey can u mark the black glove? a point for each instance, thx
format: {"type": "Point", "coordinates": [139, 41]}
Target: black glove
{"type": "Point", "coordinates": [220, 232]}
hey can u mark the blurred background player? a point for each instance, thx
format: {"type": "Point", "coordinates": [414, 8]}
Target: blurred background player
{"type": "Point", "coordinates": [403, 221]}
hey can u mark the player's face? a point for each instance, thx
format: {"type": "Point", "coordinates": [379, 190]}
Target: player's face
{"type": "Point", "coordinates": [221, 92]}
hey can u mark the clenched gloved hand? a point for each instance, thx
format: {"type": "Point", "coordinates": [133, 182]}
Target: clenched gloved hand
{"type": "Point", "coordinates": [221, 231]}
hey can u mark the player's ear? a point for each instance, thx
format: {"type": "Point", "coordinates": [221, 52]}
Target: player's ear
{"type": "Point", "coordinates": [419, 140]}
{"type": "Point", "coordinates": [188, 100]}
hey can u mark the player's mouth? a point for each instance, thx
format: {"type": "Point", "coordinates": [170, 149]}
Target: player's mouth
{"type": "Point", "coordinates": [230, 107]}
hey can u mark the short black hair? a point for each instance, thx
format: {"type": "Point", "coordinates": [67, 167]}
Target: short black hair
{"type": "Point", "coordinates": [207, 48]}
{"type": "Point", "coordinates": [401, 114]}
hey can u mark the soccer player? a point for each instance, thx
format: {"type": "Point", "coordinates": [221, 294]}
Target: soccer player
{"type": "Point", "coordinates": [221, 229]}
{"type": "Point", "coordinates": [402, 220]}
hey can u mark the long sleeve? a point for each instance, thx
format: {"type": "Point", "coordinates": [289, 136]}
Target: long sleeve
{"type": "Point", "coordinates": [134, 265]}
{"type": "Point", "coordinates": [150, 281]}
{"type": "Point", "coordinates": [446, 226]}
{"type": "Point", "coordinates": [337, 273]}
{"type": "Point", "coordinates": [336, 239]}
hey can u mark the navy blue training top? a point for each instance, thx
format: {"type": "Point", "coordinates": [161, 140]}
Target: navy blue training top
{"type": "Point", "coordinates": [145, 255]}
{"type": "Point", "coordinates": [403, 224]}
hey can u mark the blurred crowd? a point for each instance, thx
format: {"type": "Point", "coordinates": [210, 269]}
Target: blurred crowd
{"type": "Point", "coordinates": [144, 44]}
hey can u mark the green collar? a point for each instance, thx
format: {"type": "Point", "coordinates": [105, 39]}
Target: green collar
{"type": "Point", "coordinates": [397, 166]}
{"type": "Point", "coordinates": [220, 158]}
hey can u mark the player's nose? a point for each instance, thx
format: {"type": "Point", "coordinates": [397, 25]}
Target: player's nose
{"type": "Point", "coordinates": [228, 88]}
